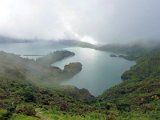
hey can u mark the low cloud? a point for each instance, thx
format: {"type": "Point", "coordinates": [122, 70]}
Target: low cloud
{"type": "Point", "coordinates": [97, 21]}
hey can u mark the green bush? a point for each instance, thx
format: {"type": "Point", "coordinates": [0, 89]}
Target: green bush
{"type": "Point", "coordinates": [26, 109]}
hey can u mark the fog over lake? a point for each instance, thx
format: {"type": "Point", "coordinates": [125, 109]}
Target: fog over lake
{"type": "Point", "coordinates": [99, 72]}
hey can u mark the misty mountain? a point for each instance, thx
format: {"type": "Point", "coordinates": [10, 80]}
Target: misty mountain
{"type": "Point", "coordinates": [130, 48]}
{"type": "Point", "coordinates": [77, 43]}
{"type": "Point", "coordinates": [5, 39]}
{"type": "Point", "coordinates": [47, 43]}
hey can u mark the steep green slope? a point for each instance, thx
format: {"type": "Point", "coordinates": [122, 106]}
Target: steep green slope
{"type": "Point", "coordinates": [20, 96]}
{"type": "Point", "coordinates": [138, 97]}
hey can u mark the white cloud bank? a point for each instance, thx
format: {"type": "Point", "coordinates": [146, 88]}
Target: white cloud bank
{"type": "Point", "coordinates": [88, 20]}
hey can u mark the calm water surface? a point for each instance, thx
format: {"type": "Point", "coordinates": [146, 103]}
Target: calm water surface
{"type": "Point", "coordinates": [100, 71]}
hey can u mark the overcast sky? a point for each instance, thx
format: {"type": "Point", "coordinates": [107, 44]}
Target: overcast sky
{"type": "Point", "coordinates": [101, 21]}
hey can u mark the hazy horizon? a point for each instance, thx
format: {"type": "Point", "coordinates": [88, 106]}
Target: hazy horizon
{"type": "Point", "coordinates": [93, 21]}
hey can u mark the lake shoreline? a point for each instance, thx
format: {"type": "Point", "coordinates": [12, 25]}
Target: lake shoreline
{"type": "Point", "coordinates": [88, 68]}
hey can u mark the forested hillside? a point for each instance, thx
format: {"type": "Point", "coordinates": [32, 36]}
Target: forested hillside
{"type": "Point", "coordinates": [138, 96]}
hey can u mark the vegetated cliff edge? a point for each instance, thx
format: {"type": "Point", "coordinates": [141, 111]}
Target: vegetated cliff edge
{"type": "Point", "coordinates": [138, 96]}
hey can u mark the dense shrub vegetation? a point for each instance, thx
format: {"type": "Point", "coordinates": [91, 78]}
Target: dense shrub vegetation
{"type": "Point", "coordinates": [136, 98]}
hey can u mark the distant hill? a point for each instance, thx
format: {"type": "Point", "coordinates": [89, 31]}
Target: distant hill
{"type": "Point", "coordinates": [135, 49]}
{"type": "Point", "coordinates": [65, 42]}
{"type": "Point", "coordinates": [4, 39]}
{"type": "Point", "coordinates": [77, 43]}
